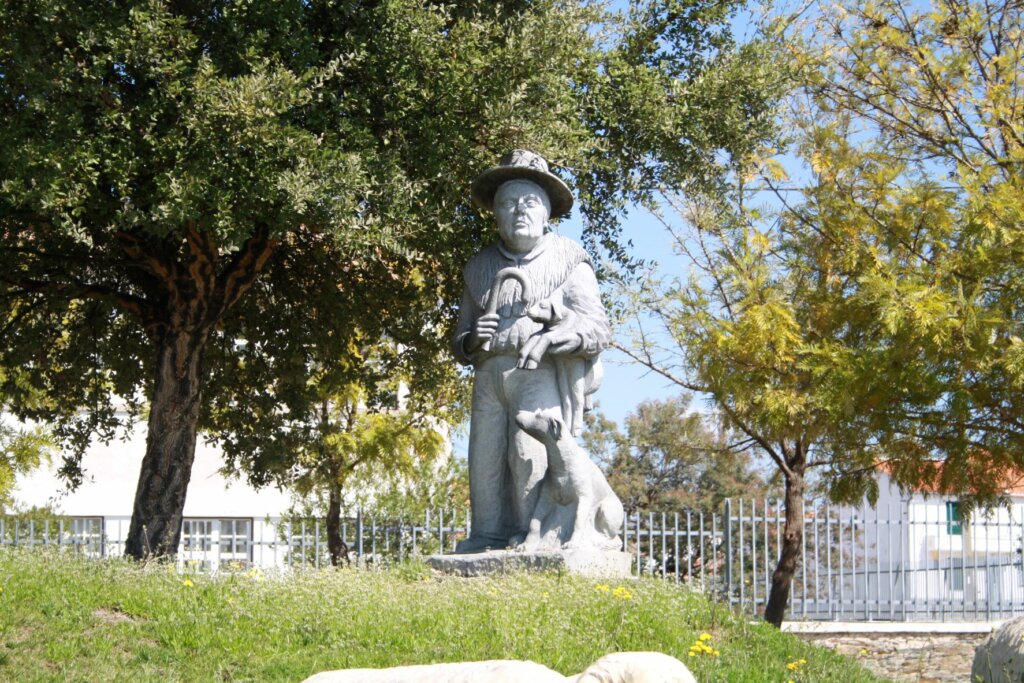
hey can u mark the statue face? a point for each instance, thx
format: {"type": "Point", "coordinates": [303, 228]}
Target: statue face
{"type": "Point", "coordinates": [522, 210]}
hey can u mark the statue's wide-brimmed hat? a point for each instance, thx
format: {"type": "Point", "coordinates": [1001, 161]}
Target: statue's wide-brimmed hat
{"type": "Point", "coordinates": [522, 164]}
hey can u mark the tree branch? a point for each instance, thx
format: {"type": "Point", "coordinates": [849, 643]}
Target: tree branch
{"type": "Point", "coordinates": [243, 269]}
{"type": "Point", "coordinates": [137, 306]}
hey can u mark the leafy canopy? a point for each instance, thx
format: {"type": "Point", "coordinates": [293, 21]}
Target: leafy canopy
{"type": "Point", "coordinates": [254, 177]}
{"type": "Point", "coordinates": [671, 457]}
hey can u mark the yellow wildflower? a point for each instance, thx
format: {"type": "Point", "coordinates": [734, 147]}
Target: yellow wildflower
{"type": "Point", "coordinates": [622, 593]}
{"type": "Point", "coordinates": [603, 588]}
{"type": "Point", "coordinates": [701, 647]}
{"type": "Point", "coordinates": [796, 664]}
{"type": "Point", "coordinates": [187, 583]}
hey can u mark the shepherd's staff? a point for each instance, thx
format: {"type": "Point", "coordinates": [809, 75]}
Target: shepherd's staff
{"type": "Point", "coordinates": [499, 280]}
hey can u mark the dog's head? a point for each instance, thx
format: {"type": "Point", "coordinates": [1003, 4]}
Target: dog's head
{"type": "Point", "coordinates": [540, 425]}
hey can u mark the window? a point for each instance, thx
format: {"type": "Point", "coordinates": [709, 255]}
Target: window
{"type": "Point", "coordinates": [955, 574]}
{"type": "Point", "coordinates": [216, 543]}
{"type": "Point", "coordinates": [235, 548]}
{"type": "Point", "coordinates": [87, 535]}
{"type": "Point", "coordinates": [954, 519]}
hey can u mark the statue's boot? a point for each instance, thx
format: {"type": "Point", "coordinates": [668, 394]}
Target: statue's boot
{"type": "Point", "coordinates": [478, 544]}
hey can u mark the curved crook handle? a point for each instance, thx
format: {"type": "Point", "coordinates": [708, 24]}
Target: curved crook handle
{"type": "Point", "coordinates": [499, 280]}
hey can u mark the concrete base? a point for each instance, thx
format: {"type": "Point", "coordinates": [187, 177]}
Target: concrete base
{"type": "Point", "coordinates": [608, 564]}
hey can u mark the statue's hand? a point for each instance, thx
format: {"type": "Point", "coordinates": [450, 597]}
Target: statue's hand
{"type": "Point", "coordinates": [556, 341]}
{"type": "Point", "coordinates": [485, 328]}
{"type": "Point", "coordinates": [559, 336]}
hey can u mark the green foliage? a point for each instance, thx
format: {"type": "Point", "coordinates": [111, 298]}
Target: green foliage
{"type": "Point", "coordinates": [21, 451]}
{"type": "Point", "coordinates": [744, 326]}
{"type": "Point", "coordinates": [428, 485]}
{"type": "Point", "coordinates": [745, 329]}
{"type": "Point", "coordinates": [77, 620]}
{"type": "Point", "coordinates": [671, 458]}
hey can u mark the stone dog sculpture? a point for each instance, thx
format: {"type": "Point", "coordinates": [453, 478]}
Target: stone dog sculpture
{"type": "Point", "coordinates": [577, 508]}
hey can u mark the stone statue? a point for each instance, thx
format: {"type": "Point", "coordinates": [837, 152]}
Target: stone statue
{"type": "Point", "coordinates": [532, 325]}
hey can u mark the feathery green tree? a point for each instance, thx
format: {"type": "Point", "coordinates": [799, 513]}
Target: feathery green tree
{"type": "Point", "coordinates": [872, 311]}
{"type": "Point", "coordinates": [916, 149]}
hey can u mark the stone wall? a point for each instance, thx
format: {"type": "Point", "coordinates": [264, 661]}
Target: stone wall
{"type": "Point", "coordinates": [922, 657]}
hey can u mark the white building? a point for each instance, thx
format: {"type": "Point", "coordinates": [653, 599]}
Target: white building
{"type": "Point", "coordinates": [918, 555]}
{"type": "Point", "coordinates": [226, 521]}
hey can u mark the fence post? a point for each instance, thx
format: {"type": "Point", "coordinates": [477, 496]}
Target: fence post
{"type": "Point", "coordinates": [639, 542]}
{"type": "Point", "coordinates": [727, 521]}
{"type": "Point", "coordinates": [302, 543]}
{"type": "Point", "coordinates": [904, 554]}
{"type": "Point", "coordinates": [625, 533]}
{"type": "Point", "coordinates": [664, 551]}
{"type": "Point", "coordinates": [675, 543]}
{"type": "Point", "coordinates": [650, 542]}
{"type": "Point", "coordinates": [359, 533]}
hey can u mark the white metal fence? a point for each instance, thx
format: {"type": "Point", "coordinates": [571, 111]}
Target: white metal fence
{"type": "Point", "coordinates": [900, 562]}
{"type": "Point", "coordinates": [897, 562]}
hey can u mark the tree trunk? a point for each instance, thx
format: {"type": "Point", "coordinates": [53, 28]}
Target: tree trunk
{"type": "Point", "coordinates": [792, 535]}
{"type": "Point", "coordinates": [170, 446]}
{"type": "Point", "coordinates": [194, 298]}
{"type": "Point", "coordinates": [336, 547]}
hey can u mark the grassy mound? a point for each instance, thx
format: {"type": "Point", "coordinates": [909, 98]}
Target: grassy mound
{"type": "Point", "coordinates": [68, 619]}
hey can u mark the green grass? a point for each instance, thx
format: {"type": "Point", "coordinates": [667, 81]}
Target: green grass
{"type": "Point", "coordinates": [67, 619]}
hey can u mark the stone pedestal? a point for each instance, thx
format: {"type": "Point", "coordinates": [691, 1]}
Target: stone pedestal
{"type": "Point", "coordinates": [605, 564]}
